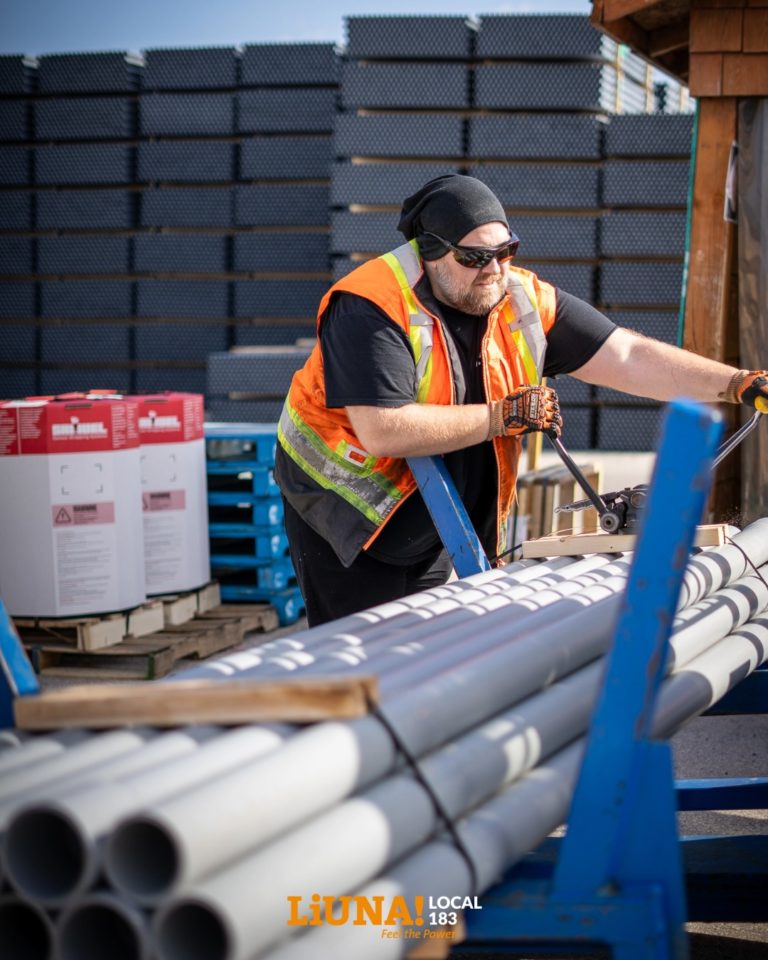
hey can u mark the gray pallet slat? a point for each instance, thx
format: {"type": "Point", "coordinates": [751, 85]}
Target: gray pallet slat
{"type": "Point", "coordinates": [17, 382]}
{"type": "Point", "coordinates": [244, 411]}
{"type": "Point", "coordinates": [94, 209]}
{"type": "Point", "coordinates": [364, 232]}
{"type": "Point", "coordinates": [186, 254]}
{"type": "Point", "coordinates": [84, 118]}
{"type": "Point", "coordinates": [186, 114]}
{"type": "Point", "coordinates": [85, 343]}
{"type": "Point", "coordinates": [541, 185]}
{"type": "Point", "coordinates": [628, 282]}
{"type": "Point", "coordinates": [265, 205]}
{"type": "Point", "coordinates": [531, 135]}
{"type": "Point", "coordinates": [16, 255]}
{"type": "Point", "coordinates": [85, 298]}
{"type": "Point", "coordinates": [646, 183]}
{"type": "Point", "coordinates": [265, 252]}
{"type": "Point", "coordinates": [188, 207]}
{"type": "Point", "coordinates": [542, 37]}
{"type": "Point", "coordinates": [622, 429]}
{"type": "Point", "coordinates": [556, 236]}
{"type": "Point", "coordinates": [278, 298]}
{"type": "Point", "coordinates": [15, 210]}
{"type": "Point", "coordinates": [186, 161]}
{"type": "Point", "coordinates": [181, 68]}
{"type": "Point", "coordinates": [17, 345]}
{"type": "Point", "coordinates": [83, 163]}
{"type": "Point", "coordinates": [649, 135]}
{"type": "Point", "coordinates": [570, 390]}
{"type": "Point", "coordinates": [575, 278]}
{"type": "Point", "coordinates": [559, 86]}
{"type": "Point", "coordinates": [298, 110]}
{"type": "Point", "coordinates": [382, 183]}
{"type": "Point", "coordinates": [182, 298]}
{"type": "Point", "coordinates": [272, 335]}
{"type": "Point", "coordinates": [80, 379]}
{"type": "Point", "coordinates": [642, 234]}
{"type": "Point", "coordinates": [282, 158]}
{"type": "Point", "coordinates": [13, 74]}
{"type": "Point", "coordinates": [414, 37]}
{"type": "Point", "coordinates": [14, 120]}
{"type": "Point", "coordinates": [404, 85]}
{"type": "Point", "coordinates": [660, 326]}
{"type": "Point", "coordinates": [279, 64]}
{"type": "Point", "coordinates": [394, 135]}
{"type": "Point", "coordinates": [179, 341]}
{"type": "Point", "coordinates": [266, 374]}
{"type": "Point", "coordinates": [109, 72]}
{"type": "Point", "coordinates": [159, 379]}
{"type": "Point", "coordinates": [15, 166]}
{"type": "Point", "coordinates": [17, 300]}
{"type": "Point", "coordinates": [82, 254]}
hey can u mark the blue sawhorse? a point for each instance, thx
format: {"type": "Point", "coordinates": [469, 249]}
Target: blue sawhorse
{"type": "Point", "coordinates": [17, 678]}
{"type": "Point", "coordinates": [617, 877]}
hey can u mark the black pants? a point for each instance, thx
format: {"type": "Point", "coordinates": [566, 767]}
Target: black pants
{"type": "Point", "coordinates": [331, 590]}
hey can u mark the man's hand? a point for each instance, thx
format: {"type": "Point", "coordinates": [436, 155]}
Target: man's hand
{"type": "Point", "coordinates": [526, 410]}
{"type": "Point", "coordinates": [753, 390]}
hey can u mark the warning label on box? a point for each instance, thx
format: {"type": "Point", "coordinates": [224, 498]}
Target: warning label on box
{"type": "Point", "coordinates": [164, 500]}
{"type": "Point", "coordinates": [79, 514]}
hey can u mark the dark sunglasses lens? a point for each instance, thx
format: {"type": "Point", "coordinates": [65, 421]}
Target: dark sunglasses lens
{"type": "Point", "coordinates": [482, 256]}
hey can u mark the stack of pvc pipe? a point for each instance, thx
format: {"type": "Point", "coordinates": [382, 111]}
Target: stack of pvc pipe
{"type": "Point", "coordinates": [187, 844]}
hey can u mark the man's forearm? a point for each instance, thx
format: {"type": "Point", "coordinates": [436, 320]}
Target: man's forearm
{"type": "Point", "coordinates": [660, 371]}
{"type": "Point", "coordinates": [419, 429]}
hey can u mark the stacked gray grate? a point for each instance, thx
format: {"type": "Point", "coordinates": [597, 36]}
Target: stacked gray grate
{"type": "Point", "coordinates": [185, 161]}
{"type": "Point", "coordinates": [191, 207]}
{"type": "Point", "coordinates": [14, 75]}
{"type": "Point", "coordinates": [110, 72]}
{"type": "Point", "coordinates": [83, 255]}
{"type": "Point", "coordinates": [203, 68]}
{"type": "Point", "coordinates": [85, 118]}
{"type": "Point", "coordinates": [84, 163]}
{"type": "Point", "coordinates": [251, 386]}
{"type": "Point", "coordinates": [180, 253]}
{"type": "Point", "coordinates": [15, 166]}
{"type": "Point", "coordinates": [17, 255]}
{"type": "Point", "coordinates": [642, 243]}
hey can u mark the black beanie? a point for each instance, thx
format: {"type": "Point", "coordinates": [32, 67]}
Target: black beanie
{"type": "Point", "coordinates": [450, 206]}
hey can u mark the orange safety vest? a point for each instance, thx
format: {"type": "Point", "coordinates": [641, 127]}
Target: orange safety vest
{"type": "Point", "coordinates": [321, 441]}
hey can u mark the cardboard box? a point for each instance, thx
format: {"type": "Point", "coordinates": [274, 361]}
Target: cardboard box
{"type": "Point", "coordinates": [70, 516]}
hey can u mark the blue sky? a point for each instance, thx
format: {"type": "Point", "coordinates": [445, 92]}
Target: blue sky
{"type": "Point", "coordinates": [64, 26]}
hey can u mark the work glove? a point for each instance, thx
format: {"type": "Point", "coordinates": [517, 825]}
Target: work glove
{"type": "Point", "coordinates": [526, 410]}
{"type": "Point", "coordinates": [753, 390]}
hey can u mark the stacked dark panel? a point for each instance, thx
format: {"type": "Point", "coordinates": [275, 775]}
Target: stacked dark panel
{"type": "Point", "coordinates": [642, 242]}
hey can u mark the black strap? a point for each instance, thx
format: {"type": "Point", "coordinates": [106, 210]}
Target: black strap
{"type": "Point", "coordinates": [437, 803]}
{"type": "Point", "coordinates": [744, 554]}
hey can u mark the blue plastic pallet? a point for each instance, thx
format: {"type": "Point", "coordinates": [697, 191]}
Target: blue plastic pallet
{"type": "Point", "coordinates": [266, 575]}
{"type": "Point", "coordinates": [244, 541]}
{"type": "Point", "coordinates": [233, 509]}
{"type": "Point", "coordinates": [241, 476]}
{"type": "Point", "coordinates": [241, 442]}
{"type": "Point", "coordinates": [288, 603]}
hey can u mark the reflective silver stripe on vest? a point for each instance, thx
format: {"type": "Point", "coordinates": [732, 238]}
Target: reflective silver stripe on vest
{"type": "Point", "coordinates": [369, 491]}
{"type": "Point", "coordinates": [526, 327]}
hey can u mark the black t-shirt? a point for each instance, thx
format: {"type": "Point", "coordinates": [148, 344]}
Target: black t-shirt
{"type": "Point", "coordinates": [368, 361]}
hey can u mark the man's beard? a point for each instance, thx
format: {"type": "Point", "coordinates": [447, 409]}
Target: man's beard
{"type": "Point", "coordinates": [476, 300]}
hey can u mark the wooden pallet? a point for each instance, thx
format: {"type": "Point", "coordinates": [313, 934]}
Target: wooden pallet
{"type": "Point", "coordinates": [707, 535]}
{"type": "Point", "coordinates": [154, 655]}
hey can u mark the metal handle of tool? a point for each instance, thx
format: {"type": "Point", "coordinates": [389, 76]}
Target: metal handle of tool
{"type": "Point", "coordinates": [736, 439]}
{"type": "Point", "coordinates": [609, 521]}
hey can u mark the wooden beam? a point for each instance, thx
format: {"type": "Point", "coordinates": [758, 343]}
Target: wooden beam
{"type": "Point", "coordinates": [618, 9]}
{"type": "Point", "coordinates": [755, 31]}
{"type": "Point", "coordinates": [705, 77]}
{"type": "Point", "coordinates": [708, 535]}
{"type": "Point", "coordinates": [666, 39]}
{"type": "Point", "coordinates": [197, 701]}
{"type": "Point", "coordinates": [623, 31]}
{"type": "Point", "coordinates": [745, 74]}
{"type": "Point", "coordinates": [715, 31]}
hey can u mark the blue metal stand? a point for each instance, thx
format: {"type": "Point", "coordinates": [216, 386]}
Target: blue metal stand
{"type": "Point", "coordinates": [449, 515]}
{"type": "Point", "coordinates": [618, 877]}
{"type": "Point", "coordinates": [17, 678]}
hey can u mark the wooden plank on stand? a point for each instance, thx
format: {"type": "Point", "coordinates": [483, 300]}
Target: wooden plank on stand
{"type": "Point", "coordinates": [708, 535]}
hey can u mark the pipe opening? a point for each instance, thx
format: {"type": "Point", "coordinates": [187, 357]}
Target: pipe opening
{"type": "Point", "coordinates": [25, 933]}
{"type": "Point", "coordinates": [98, 931]}
{"type": "Point", "coordinates": [141, 859]}
{"type": "Point", "coordinates": [192, 931]}
{"type": "Point", "coordinates": [44, 854]}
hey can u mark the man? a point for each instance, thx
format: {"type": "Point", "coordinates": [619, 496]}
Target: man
{"type": "Point", "coordinates": [439, 347]}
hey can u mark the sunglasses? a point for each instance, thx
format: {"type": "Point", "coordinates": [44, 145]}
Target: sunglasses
{"type": "Point", "coordinates": [479, 257]}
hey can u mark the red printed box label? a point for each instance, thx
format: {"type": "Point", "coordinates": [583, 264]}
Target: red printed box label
{"type": "Point", "coordinates": [80, 514]}
{"type": "Point", "coordinates": [164, 500]}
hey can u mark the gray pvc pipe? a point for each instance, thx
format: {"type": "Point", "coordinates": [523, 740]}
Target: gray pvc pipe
{"type": "Point", "coordinates": [26, 933]}
{"type": "Point", "coordinates": [51, 847]}
{"type": "Point", "coordinates": [38, 749]}
{"type": "Point", "coordinates": [102, 927]}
